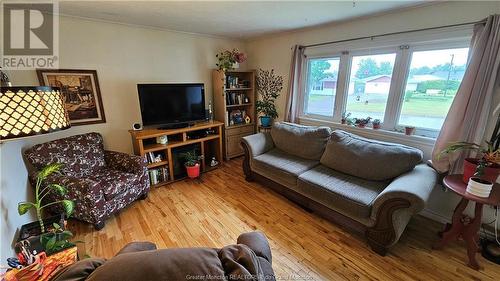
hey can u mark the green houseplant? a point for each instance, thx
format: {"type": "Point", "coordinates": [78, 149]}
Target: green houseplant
{"type": "Point", "coordinates": [229, 59]}
{"type": "Point", "coordinates": [42, 191]}
{"type": "Point", "coordinates": [192, 164]}
{"type": "Point", "coordinates": [269, 86]}
{"type": "Point", "coordinates": [362, 122]}
{"type": "Point", "coordinates": [376, 124]}
{"type": "Point", "coordinates": [345, 117]}
{"type": "Point", "coordinates": [487, 164]}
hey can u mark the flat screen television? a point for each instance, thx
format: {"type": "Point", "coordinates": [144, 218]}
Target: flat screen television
{"type": "Point", "coordinates": [171, 105]}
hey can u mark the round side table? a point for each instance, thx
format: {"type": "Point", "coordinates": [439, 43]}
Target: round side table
{"type": "Point", "coordinates": [461, 225]}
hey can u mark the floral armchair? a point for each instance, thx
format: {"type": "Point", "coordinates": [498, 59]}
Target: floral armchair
{"type": "Point", "coordinates": [100, 182]}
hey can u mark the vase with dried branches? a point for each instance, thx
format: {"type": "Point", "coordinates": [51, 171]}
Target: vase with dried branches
{"type": "Point", "coordinates": [269, 86]}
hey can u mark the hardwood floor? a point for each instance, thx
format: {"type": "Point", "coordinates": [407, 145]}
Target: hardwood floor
{"type": "Point", "coordinates": [215, 210]}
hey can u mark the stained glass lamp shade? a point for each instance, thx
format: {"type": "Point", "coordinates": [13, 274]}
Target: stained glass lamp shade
{"type": "Point", "coordinates": [26, 111]}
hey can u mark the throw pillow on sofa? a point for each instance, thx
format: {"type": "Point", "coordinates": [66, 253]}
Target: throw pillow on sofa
{"type": "Point", "coordinates": [303, 141]}
{"type": "Point", "coordinates": [369, 159]}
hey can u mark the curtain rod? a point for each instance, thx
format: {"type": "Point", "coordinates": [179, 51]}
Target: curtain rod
{"type": "Point", "coordinates": [393, 33]}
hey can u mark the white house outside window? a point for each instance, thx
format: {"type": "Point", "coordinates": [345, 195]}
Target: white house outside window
{"type": "Point", "coordinates": [403, 85]}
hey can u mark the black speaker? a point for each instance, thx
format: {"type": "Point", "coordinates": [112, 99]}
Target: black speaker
{"type": "Point", "coordinates": [137, 126]}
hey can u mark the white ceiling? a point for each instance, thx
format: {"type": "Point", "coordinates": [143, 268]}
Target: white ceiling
{"type": "Point", "coordinates": [235, 19]}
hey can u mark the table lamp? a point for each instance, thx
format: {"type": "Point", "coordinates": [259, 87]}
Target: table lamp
{"type": "Point", "coordinates": [31, 110]}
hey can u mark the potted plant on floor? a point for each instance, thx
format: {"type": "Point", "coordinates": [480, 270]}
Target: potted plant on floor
{"type": "Point", "coordinates": [376, 124]}
{"type": "Point", "coordinates": [362, 122]}
{"type": "Point", "coordinates": [41, 191]}
{"type": "Point", "coordinates": [192, 164]}
{"type": "Point", "coordinates": [269, 87]}
{"type": "Point", "coordinates": [47, 234]}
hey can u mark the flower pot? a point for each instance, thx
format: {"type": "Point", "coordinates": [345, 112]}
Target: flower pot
{"type": "Point", "coordinates": [343, 121]}
{"type": "Point", "coordinates": [32, 229]}
{"type": "Point", "coordinates": [470, 165]}
{"type": "Point", "coordinates": [409, 131]}
{"type": "Point", "coordinates": [479, 187]}
{"type": "Point", "coordinates": [265, 121]}
{"type": "Point", "coordinates": [376, 126]}
{"type": "Point", "coordinates": [193, 171]}
{"type": "Point", "coordinates": [360, 125]}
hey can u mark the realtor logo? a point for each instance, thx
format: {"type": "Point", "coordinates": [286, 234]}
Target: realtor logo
{"type": "Point", "coordinates": [30, 35]}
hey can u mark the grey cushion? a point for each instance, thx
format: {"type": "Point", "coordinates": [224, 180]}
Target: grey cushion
{"type": "Point", "coordinates": [368, 159]}
{"type": "Point", "coordinates": [303, 141]}
{"type": "Point", "coordinates": [281, 167]}
{"type": "Point", "coordinates": [338, 191]}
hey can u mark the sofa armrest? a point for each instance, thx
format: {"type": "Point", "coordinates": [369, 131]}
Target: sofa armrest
{"type": "Point", "coordinates": [256, 241]}
{"type": "Point", "coordinates": [125, 162]}
{"type": "Point", "coordinates": [258, 143]}
{"type": "Point", "coordinates": [134, 247]}
{"type": "Point", "coordinates": [414, 186]}
{"type": "Point", "coordinates": [392, 209]}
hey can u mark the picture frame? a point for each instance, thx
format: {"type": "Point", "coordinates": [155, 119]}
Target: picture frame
{"type": "Point", "coordinates": [81, 91]}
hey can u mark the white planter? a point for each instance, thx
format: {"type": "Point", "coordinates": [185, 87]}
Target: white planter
{"type": "Point", "coordinates": [479, 187]}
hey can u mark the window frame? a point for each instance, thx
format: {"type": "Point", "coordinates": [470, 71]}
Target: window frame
{"type": "Point", "coordinates": [399, 77]}
{"type": "Point", "coordinates": [427, 132]}
{"type": "Point", "coordinates": [303, 100]}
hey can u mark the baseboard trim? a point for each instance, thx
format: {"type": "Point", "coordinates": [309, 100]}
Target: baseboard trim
{"type": "Point", "coordinates": [435, 216]}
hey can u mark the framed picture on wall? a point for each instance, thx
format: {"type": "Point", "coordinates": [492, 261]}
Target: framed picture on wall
{"type": "Point", "coordinates": [82, 96]}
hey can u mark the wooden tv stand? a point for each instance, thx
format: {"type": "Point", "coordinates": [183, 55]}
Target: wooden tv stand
{"type": "Point", "coordinates": [144, 141]}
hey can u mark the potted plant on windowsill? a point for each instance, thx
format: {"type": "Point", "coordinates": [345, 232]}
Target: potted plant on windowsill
{"type": "Point", "coordinates": [269, 87]}
{"type": "Point", "coordinates": [345, 117]}
{"type": "Point", "coordinates": [409, 130]}
{"type": "Point", "coordinates": [362, 122]}
{"type": "Point", "coordinates": [192, 164]}
{"type": "Point", "coordinates": [376, 124]}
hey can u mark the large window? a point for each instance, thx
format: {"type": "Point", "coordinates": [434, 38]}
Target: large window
{"type": "Point", "coordinates": [369, 85]}
{"type": "Point", "coordinates": [321, 86]}
{"type": "Point", "coordinates": [402, 85]}
{"type": "Point", "coordinates": [431, 86]}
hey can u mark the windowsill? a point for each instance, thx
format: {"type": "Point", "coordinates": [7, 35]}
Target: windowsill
{"type": "Point", "coordinates": [386, 135]}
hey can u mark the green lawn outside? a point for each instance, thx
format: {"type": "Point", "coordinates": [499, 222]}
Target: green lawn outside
{"type": "Point", "coordinates": [417, 107]}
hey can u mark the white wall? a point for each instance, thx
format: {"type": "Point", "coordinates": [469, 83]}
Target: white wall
{"type": "Point", "coordinates": [275, 52]}
{"type": "Point", "coordinates": [123, 56]}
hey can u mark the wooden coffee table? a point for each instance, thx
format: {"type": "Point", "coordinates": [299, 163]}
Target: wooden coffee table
{"type": "Point", "coordinates": [461, 224]}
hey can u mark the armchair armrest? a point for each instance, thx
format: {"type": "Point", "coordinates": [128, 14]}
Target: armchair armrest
{"type": "Point", "coordinates": [258, 143]}
{"type": "Point", "coordinates": [414, 186]}
{"type": "Point", "coordinates": [125, 162]}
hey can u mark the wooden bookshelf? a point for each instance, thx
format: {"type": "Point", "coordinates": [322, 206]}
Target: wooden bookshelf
{"type": "Point", "coordinates": [144, 142]}
{"type": "Point", "coordinates": [230, 98]}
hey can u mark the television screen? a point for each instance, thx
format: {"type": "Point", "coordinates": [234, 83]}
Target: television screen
{"type": "Point", "coordinates": [163, 104]}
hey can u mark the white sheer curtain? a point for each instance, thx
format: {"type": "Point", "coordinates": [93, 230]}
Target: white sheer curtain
{"type": "Point", "coordinates": [468, 115]}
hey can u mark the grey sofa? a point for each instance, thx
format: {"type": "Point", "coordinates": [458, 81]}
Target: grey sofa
{"type": "Point", "coordinates": [369, 186]}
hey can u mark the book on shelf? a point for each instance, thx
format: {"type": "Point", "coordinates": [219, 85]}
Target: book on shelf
{"type": "Point", "coordinates": [235, 98]}
{"type": "Point", "coordinates": [158, 175]}
{"type": "Point", "coordinates": [233, 82]}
